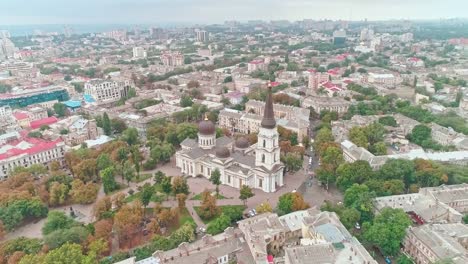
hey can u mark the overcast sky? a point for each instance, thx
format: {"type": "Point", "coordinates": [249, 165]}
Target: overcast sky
{"type": "Point", "coordinates": [17, 12]}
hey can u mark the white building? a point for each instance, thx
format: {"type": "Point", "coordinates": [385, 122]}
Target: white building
{"type": "Point", "coordinates": [139, 53]}
{"type": "Point", "coordinates": [25, 151]}
{"type": "Point", "coordinates": [106, 91]}
{"type": "Point", "coordinates": [257, 166]}
{"type": "Point", "coordinates": [203, 36]}
{"type": "Point", "coordinates": [256, 65]}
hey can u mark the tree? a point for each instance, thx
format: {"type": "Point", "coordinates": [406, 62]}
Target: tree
{"type": "Point", "coordinates": [68, 253]}
{"type": "Point", "coordinates": [193, 84]}
{"type": "Point", "coordinates": [245, 193]}
{"type": "Point", "coordinates": [57, 220]}
{"type": "Point", "coordinates": [186, 130]}
{"type": "Point", "coordinates": [264, 208]}
{"type": "Point", "coordinates": [83, 193]}
{"type": "Point", "coordinates": [398, 169]}
{"type": "Point", "coordinates": [103, 162]}
{"type": "Point", "coordinates": [216, 180]}
{"type": "Point", "coordinates": [358, 137]}
{"type": "Point", "coordinates": [331, 158]}
{"type": "Point", "coordinates": [146, 194]}
{"type": "Point", "coordinates": [349, 217]}
{"type": "Point", "coordinates": [179, 185]}
{"type": "Point", "coordinates": [356, 172]}
{"type": "Point", "coordinates": [118, 125]}
{"type": "Point", "coordinates": [108, 180]}
{"type": "Point", "coordinates": [60, 109]}
{"type": "Point", "coordinates": [128, 172]}
{"type": "Point", "coordinates": [106, 124]}
{"type": "Point", "coordinates": [58, 193]}
{"type": "Point", "coordinates": [186, 101]}
{"type": "Point", "coordinates": [419, 134]}
{"type": "Point", "coordinates": [228, 79]}
{"type": "Point", "coordinates": [292, 161]}
{"type": "Point", "coordinates": [218, 225]}
{"type": "Point", "coordinates": [2, 230]}
{"type": "Point", "coordinates": [102, 207]}
{"type": "Point", "coordinates": [128, 219]}
{"type": "Point", "coordinates": [291, 202]}
{"type": "Point", "coordinates": [130, 135]}
{"type": "Point", "coordinates": [208, 208]}
{"type": "Point", "coordinates": [359, 197]}
{"type": "Point", "coordinates": [388, 230]}
{"type": "Point", "coordinates": [166, 185]}
{"type": "Point", "coordinates": [181, 198]}
{"type": "Point", "coordinates": [158, 177]}
{"type": "Point", "coordinates": [388, 121]}
{"type": "Point", "coordinates": [74, 234]}
{"type": "Point", "coordinates": [378, 148]}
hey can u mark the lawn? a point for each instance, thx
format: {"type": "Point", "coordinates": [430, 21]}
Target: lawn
{"type": "Point", "coordinates": [184, 217]}
{"type": "Point", "coordinates": [199, 197]}
{"type": "Point", "coordinates": [223, 207]}
{"type": "Point", "coordinates": [158, 196]}
{"type": "Point", "coordinates": [142, 177]}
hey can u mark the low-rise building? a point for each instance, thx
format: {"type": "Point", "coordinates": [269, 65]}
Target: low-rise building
{"type": "Point", "coordinates": [437, 242]}
{"type": "Point", "coordinates": [333, 104]}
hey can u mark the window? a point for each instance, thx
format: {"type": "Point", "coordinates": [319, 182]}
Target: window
{"type": "Point", "coordinates": [229, 178]}
{"type": "Point", "coordinates": [263, 158]}
{"type": "Point", "coordinates": [264, 143]}
{"type": "Point", "coordinates": [260, 183]}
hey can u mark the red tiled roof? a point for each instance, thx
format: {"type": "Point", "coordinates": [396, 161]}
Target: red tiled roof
{"type": "Point", "coordinates": [37, 145]}
{"type": "Point", "coordinates": [20, 115]}
{"type": "Point", "coordinates": [256, 62]}
{"type": "Point", "coordinates": [274, 84]}
{"type": "Point", "coordinates": [45, 121]}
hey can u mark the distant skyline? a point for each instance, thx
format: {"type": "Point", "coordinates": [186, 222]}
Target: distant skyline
{"type": "Point", "coordinates": [28, 12]}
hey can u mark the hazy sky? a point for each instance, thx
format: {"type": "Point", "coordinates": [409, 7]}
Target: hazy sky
{"type": "Point", "coordinates": [213, 11]}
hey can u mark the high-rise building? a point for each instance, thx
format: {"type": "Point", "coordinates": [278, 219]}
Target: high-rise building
{"type": "Point", "coordinates": [367, 34]}
{"type": "Point", "coordinates": [139, 53]}
{"type": "Point", "coordinates": [203, 36]}
{"type": "Point", "coordinates": [339, 37]}
{"type": "Point", "coordinates": [106, 91]}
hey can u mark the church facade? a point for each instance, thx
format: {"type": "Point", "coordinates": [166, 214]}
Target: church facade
{"type": "Point", "coordinates": [257, 166]}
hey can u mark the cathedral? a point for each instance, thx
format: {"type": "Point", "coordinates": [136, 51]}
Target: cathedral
{"type": "Point", "coordinates": [257, 166]}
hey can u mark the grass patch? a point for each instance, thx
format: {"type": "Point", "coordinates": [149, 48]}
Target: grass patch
{"type": "Point", "coordinates": [199, 197]}
{"type": "Point", "coordinates": [223, 208]}
{"type": "Point", "coordinates": [143, 177]}
{"type": "Point", "coordinates": [158, 196]}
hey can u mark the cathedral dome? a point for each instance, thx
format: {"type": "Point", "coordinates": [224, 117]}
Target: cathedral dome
{"type": "Point", "coordinates": [242, 143]}
{"type": "Point", "coordinates": [206, 127]}
{"type": "Point", "coordinates": [222, 153]}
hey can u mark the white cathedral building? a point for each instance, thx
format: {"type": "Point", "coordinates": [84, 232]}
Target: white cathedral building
{"type": "Point", "coordinates": [239, 163]}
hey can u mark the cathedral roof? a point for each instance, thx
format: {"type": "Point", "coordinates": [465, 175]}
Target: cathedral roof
{"type": "Point", "coordinates": [242, 143]}
{"type": "Point", "coordinates": [223, 153]}
{"type": "Point", "coordinates": [206, 127]}
{"type": "Point", "coordinates": [268, 120]}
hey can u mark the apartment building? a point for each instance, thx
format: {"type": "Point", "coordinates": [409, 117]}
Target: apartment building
{"type": "Point", "coordinates": [106, 91]}
{"type": "Point", "coordinates": [315, 79]}
{"type": "Point", "coordinates": [203, 36]}
{"type": "Point", "coordinates": [172, 58]}
{"type": "Point", "coordinates": [78, 130]}
{"type": "Point", "coordinates": [22, 150]}
{"type": "Point", "coordinates": [256, 65]}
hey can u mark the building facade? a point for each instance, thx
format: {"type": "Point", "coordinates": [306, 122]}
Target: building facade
{"type": "Point", "coordinates": [106, 91]}
{"type": "Point", "coordinates": [239, 163]}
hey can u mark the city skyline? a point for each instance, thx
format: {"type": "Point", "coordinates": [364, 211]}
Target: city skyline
{"type": "Point", "coordinates": [206, 11]}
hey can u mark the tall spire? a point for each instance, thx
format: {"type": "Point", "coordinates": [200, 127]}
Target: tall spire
{"type": "Point", "coordinates": [268, 120]}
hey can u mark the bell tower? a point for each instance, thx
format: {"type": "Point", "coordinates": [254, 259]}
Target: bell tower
{"type": "Point", "coordinates": [267, 153]}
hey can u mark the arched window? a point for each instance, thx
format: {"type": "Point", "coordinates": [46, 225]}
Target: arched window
{"type": "Point", "coordinates": [264, 143]}
{"type": "Point", "coordinates": [263, 158]}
